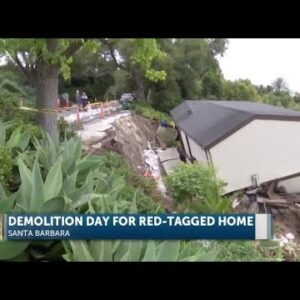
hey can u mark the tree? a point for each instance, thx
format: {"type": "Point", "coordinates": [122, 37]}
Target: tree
{"type": "Point", "coordinates": [297, 98]}
{"type": "Point", "coordinates": [90, 72]}
{"type": "Point", "coordinates": [194, 63]}
{"type": "Point", "coordinates": [135, 56]}
{"type": "Point", "coordinates": [192, 70]}
{"type": "Point", "coordinates": [218, 46]}
{"type": "Point", "coordinates": [42, 60]}
{"type": "Point", "coordinates": [212, 86]}
{"type": "Point", "coordinates": [240, 90]}
{"type": "Point", "coordinates": [262, 90]}
{"type": "Point", "coordinates": [279, 85]}
{"type": "Point", "coordinates": [279, 98]}
{"type": "Point", "coordinates": [122, 83]}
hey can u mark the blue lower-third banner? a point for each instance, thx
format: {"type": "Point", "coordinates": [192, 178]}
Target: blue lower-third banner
{"type": "Point", "coordinates": [134, 226]}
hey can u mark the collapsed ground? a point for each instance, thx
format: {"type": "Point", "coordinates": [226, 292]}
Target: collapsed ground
{"type": "Point", "coordinates": [129, 135]}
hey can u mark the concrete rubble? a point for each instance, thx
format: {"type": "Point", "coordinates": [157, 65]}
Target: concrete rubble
{"type": "Point", "coordinates": [96, 130]}
{"type": "Point", "coordinates": [285, 239]}
{"type": "Point", "coordinates": [152, 161]}
{"type": "Point", "coordinates": [134, 138]}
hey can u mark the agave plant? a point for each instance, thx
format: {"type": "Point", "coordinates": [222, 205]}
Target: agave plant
{"type": "Point", "coordinates": [19, 138]}
{"type": "Point", "coordinates": [135, 250]}
{"type": "Point", "coordinates": [57, 179]}
{"type": "Point", "coordinates": [132, 250]}
{"type": "Point", "coordinates": [10, 147]}
{"type": "Point", "coordinates": [54, 179]}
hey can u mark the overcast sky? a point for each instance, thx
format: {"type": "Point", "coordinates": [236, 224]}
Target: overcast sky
{"type": "Point", "coordinates": [263, 60]}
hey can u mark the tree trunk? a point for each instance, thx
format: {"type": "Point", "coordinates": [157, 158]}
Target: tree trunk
{"type": "Point", "coordinates": [139, 83]}
{"type": "Point", "coordinates": [47, 94]}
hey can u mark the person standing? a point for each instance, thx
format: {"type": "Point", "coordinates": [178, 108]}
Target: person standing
{"type": "Point", "coordinates": [84, 99]}
{"type": "Point", "coordinates": [78, 98]}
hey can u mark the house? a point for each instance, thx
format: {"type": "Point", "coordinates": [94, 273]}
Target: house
{"type": "Point", "coordinates": [248, 143]}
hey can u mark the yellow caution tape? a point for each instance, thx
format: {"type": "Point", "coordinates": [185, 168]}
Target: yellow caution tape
{"type": "Point", "coordinates": [45, 110]}
{"type": "Point", "coordinates": [55, 111]}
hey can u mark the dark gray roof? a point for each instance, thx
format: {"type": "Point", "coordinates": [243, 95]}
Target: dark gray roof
{"type": "Point", "coordinates": [209, 122]}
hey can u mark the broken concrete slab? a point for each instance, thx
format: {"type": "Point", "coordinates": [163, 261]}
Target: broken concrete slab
{"type": "Point", "coordinates": [170, 153]}
{"type": "Point", "coordinates": [96, 130]}
{"type": "Point", "coordinates": [170, 165]}
{"type": "Point", "coordinates": [169, 158]}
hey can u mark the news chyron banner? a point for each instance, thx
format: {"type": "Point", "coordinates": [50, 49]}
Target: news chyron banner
{"type": "Point", "coordinates": [135, 226]}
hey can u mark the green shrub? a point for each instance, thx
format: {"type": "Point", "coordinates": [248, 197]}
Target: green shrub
{"type": "Point", "coordinates": [11, 91]}
{"type": "Point", "coordinates": [147, 111]}
{"type": "Point", "coordinates": [15, 140]}
{"type": "Point", "coordinates": [168, 135]}
{"type": "Point", "coordinates": [56, 178]}
{"type": "Point", "coordinates": [147, 189]}
{"type": "Point", "coordinates": [239, 251]}
{"type": "Point", "coordinates": [65, 130]}
{"type": "Point", "coordinates": [16, 137]}
{"type": "Point", "coordinates": [53, 178]}
{"type": "Point", "coordinates": [59, 180]}
{"type": "Point", "coordinates": [33, 129]}
{"type": "Point", "coordinates": [249, 251]}
{"type": "Point", "coordinates": [6, 164]}
{"type": "Point", "coordinates": [143, 202]}
{"type": "Point", "coordinates": [10, 110]}
{"type": "Point", "coordinates": [195, 186]}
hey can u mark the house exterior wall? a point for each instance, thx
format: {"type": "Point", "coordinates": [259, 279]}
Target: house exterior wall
{"type": "Point", "coordinates": [197, 151]}
{"type": "Point", "coordinates": [186, 148]}
{"type": "Point", "coordinates": [292, 185]}
{"type": "Point", "coordinates": [269, 148]}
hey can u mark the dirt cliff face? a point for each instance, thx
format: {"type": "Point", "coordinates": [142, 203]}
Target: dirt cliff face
{"type": "Point", "coordinates": [133, 134]}
{"type": "Point", "coordinates": [129, 136]}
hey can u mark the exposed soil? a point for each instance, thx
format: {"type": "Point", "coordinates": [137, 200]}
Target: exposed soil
{"type": "Point", "coordinates": [129, 137]}
{"type": "Point", "coordinates": [286, 220]}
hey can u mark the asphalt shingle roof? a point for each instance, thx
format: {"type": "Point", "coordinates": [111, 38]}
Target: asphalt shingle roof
{"type": "Point", "coordinates": [209, 122]}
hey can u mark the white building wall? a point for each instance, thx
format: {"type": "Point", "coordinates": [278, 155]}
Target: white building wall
{"type": "Point", "coordinates": [292, 185]}
{"type": "Point", "coordinates": [186, 148]}
{"type": "Point", "coordinates": [197, 151]}
{"type": "Point", "coordinates": [269, 148]}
